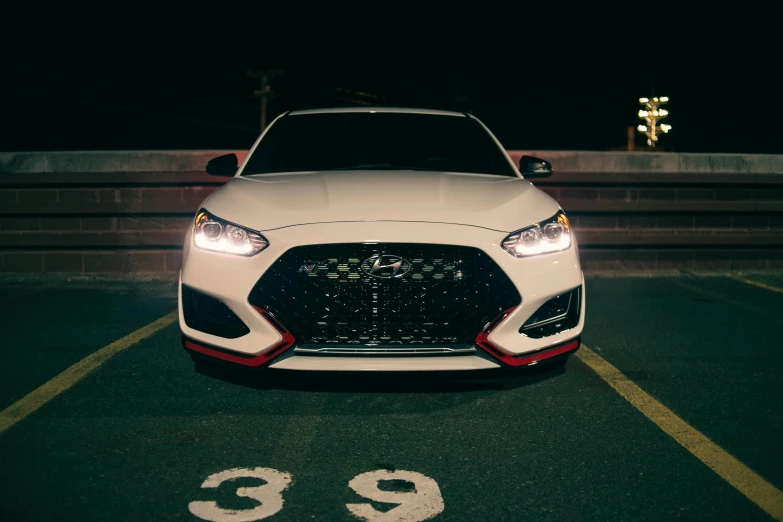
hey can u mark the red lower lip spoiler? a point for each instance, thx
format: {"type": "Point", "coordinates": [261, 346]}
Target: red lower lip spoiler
{"type": "Point", "coordinates": [482, 341]}
{"type": "Point", "coordinates": [285, 343]}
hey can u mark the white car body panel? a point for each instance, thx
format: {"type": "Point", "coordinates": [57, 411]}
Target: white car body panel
{"type": "Point", "coordinates": [310, 208]}
{"type": "Point", "coordinates": [272, 201]}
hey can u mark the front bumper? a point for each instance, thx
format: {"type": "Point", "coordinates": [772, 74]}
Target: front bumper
{"type": "Point", "coordinates": [231, 279]}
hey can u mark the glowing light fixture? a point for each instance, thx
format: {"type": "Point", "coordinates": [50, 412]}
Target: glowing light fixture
{"type": "Point", "coordinates": [217, 235]}
{"type": "Point", "coordinates": [652, 114]}
{"type": "Point", "coordinates": [545, 237]}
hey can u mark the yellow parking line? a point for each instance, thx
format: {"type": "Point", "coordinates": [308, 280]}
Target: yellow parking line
{"type": "Point", "coordinates": [757, 283]}
{"type": "Point", "coordinates": [747, 482]}
{"type": "Point", "coordinates": [46, 392]}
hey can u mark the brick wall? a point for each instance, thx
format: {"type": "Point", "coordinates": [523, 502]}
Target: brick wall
{"type": "Point", "coordinates": [127, 211]}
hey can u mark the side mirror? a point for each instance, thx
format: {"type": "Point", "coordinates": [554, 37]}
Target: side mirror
{"type": "Point", "coordinates": [532, 167]}
{"type": "Point", "coordinates": [225, 165]}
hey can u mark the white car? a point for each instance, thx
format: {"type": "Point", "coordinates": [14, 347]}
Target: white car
{"type": "Point", "coordinates": [380, 239]}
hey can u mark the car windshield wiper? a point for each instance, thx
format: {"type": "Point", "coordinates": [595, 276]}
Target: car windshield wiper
{"type": "Point", "coordinates": [371, 166]}
{"type": "Point", "coordinates": [365, 166]}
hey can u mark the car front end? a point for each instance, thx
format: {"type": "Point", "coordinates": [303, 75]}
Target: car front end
{"type": "Point", "coordinates": [380, 270]}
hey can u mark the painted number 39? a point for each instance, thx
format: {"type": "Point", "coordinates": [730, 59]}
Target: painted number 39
{"type": "Point", "coordinates": [421, 504]}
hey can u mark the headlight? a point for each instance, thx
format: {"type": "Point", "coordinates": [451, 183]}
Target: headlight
{"type": "Point", "coordinates": [211, 233]}
{"type": "Point", "coordinates": [551, 235]}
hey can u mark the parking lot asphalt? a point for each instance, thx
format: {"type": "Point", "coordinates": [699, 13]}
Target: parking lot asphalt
{"type": "Point", "coordinates": [138, 437]}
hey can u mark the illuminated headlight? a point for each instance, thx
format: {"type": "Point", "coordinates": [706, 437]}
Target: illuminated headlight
{"type": "Point", "coordinates": [551, 235]}
{"type": "Point", "coordinates": [211, 233]}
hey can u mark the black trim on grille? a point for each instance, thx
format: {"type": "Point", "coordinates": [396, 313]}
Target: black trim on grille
{"type": "Point", "coordinates": [332, 350]}
{"type": "Point", "coordinates": [209, 315]}
{"type": "Point", "coordinates": [351, 294]}
{"type": "Point", "coordinates": [556, 315]}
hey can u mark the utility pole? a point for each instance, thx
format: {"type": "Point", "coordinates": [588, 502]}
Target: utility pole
{"type": "Point", "coordinates": [651, 114]}
{"type": "Point", "coordinates": [630, 135]}
{"type": "Point", "coordinates": [264, 92]}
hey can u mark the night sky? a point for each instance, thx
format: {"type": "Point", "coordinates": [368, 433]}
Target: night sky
{"type": "Point", "coordinates": [565, 102]}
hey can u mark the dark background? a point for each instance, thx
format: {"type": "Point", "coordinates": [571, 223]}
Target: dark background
{"type": "Point", "coordinates": [100, 91]}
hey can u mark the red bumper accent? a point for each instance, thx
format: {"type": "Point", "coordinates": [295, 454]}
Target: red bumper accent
{"type": "Point", "coordinates": [482, 340]}
{"type": "Point", "coordinates": [285, 343]}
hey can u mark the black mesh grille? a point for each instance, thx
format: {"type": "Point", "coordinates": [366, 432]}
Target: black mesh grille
{"type": "Point", "coordinates": [210, 315]}
{"type": "Point", "coordinates": [559, 313]}
{"type": "Point", "coordinates": [387, 294]}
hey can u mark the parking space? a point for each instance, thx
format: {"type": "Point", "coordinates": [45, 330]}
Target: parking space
{"type": "Point", "coordinates": [139, 437]}
{"type": "Point", "coordinates": [48, 324]}
{"type": "Point", "coordinates": [706, 347]}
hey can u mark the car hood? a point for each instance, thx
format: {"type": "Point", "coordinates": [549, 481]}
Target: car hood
{"type": "Point", "coordinates": [270, 201]}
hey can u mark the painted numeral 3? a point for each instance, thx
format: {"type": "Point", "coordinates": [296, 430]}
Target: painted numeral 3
{"type": "Point", "coordinates": [269, 495]}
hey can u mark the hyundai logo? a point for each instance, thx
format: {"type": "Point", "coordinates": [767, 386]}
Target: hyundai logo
{"type": "Point", "coordinates": [386, 266]}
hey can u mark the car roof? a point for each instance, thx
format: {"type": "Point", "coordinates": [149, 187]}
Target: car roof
{"type": "Point", "coordinates": [403, 110]}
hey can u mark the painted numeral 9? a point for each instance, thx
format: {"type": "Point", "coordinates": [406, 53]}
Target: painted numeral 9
{"type": "Point", "coordinates": [414, 506]}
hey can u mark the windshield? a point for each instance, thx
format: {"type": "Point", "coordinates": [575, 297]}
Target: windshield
{"type": "Point", "coordinates": [377, 141]}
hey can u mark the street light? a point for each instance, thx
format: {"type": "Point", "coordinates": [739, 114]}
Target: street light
{"type": "Point", "coordinates": [652, 114]}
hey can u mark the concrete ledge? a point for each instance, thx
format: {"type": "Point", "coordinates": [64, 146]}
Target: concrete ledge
{"type": "Point", "coordinates": [110, 161]}
{"type": "Point", "coordinates": [559, 179]}
{"type": "Point", "coordinates": [565, 161]}
{"type": "Point", "coordinates": [658, 162]}
{"type": "Point", "coordinates": [92, 261]}
{"type": "Point", "coordinates": [125, 212]}
{"type": "Point", "coordinates": [698, 259]}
